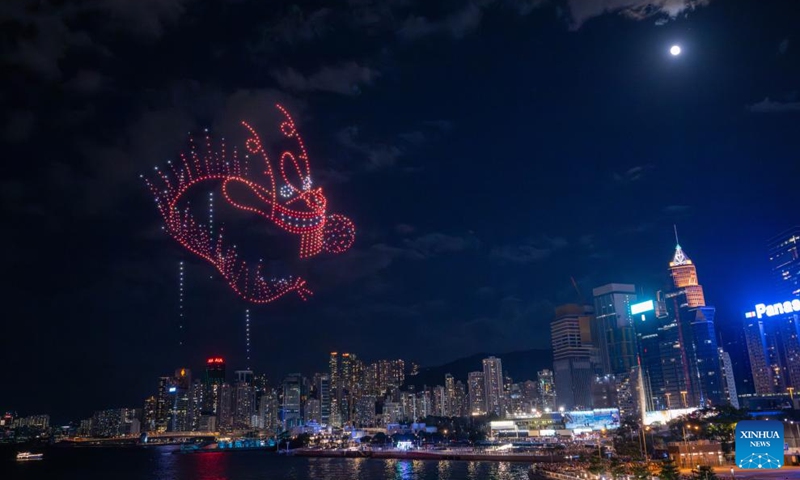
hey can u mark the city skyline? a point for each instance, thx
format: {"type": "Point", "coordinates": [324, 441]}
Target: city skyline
{"type": "Point", "coordinates": [493, 156]}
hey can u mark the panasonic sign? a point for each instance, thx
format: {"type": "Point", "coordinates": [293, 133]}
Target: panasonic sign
{"type": "Point", "coordinates": [789, 306]}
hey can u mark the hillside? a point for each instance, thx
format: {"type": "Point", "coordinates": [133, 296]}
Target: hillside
{"type": "Point", "coordinates": [521, 366]}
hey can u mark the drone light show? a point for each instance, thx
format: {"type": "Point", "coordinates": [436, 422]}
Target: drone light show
{"type": "Point", "coordinates": [279, 191]}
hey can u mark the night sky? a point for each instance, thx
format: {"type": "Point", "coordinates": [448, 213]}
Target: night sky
{"type": "Point", "coordinates": [486, 150]}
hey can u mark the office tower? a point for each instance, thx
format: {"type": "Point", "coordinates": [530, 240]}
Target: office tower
{"type": "Point", "coordinates": [773, 344]}
{"type": "Point", "coordinates": [335, 389]}
{"type": "Point", "coordinates": [150, 414]}
{"type": "Point", "coordinates": [164, 404]}
{"type": "Point", "coordinates": [449, 396]}
{"type": "Point", "coordinates": [311, 411]}
{"type": "Point", "coordinates": [729, 381]}
{"type": "Point", "coordinates": [226, 407]}
{"type": "Point", "coordinates": [684, 276]}
{"type": "Point", "coordinates": [546, 387]}
{"type": "Point", "coordinates": [477, 393]}
{"type": "Point", "coordinates": [678, 343]}
{"type": "Point", "coordinates": [213, 380]}
{"type": "Point", "coordinates": [612, 329]}
{"type": "Point", "coordinates": [291, 404]}
{"type": "Point", "coordinates": [268, 411]}
{"type": "Point", "coordinates": [323, 392]}
{"type": "Point", "coordinates": [180, 389]}
{"type": "Point", "coordinates": [196, 402]}
{"type": "Point", "coordinates": [784, 260]}
{"type": "Point", "coordinates": [573, 355]}
{"type": "Point", "coordinates": [244, 400]}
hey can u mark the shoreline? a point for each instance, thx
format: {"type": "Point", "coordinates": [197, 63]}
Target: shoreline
{"type": "Point", "coordinates": [426, 455]}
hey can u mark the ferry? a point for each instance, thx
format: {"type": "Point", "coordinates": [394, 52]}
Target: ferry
{"type": "Point", "coordinates": [24, 456]}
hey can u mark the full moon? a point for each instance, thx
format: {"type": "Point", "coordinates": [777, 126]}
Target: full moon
{"type": "Point", "coordinates": [675, 50]}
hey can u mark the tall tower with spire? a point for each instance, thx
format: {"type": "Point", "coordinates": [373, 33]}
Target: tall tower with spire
{"type": "Point", "coordinates": [684, 276]}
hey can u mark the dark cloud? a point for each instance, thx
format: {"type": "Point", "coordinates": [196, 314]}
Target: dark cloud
{"type": "Point", "coordinates": [676, 209]}
{"type": "Point", "coordinates": [457, 24]}
{"type": "Point", "coordinates": [530, 252]}
{"type": "Point", "coordinates": [437, 243]}
{"type": "Point", "coordinates": [770, 106]}
{"type": "Point", "coordinates": [345, 79]}
{"type": "Point", "coordinates": [633, 174]}
{"type": "Point", "coordinates": [584, 10]}
{"type": "Point", "coordinates": [378, 155]}
{"type": "Point", "coordinates": [404, 229]}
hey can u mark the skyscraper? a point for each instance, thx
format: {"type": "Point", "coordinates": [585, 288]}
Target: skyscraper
{"type": "Point", "coordinates": [784, 259]}
{"type": "Point", "coordinates": [477, 393]}
{"type": "Point", "coordinates": [291, 405]}
{"type": "Point", "coordinates": [612, 329]}
{"type": "Point", "coordinates": [678, 343]}
{"type": "Point", "coordinates": [684, 276]}
{"type": "Point", "coordinates": [573, 355]}
{"type": "Point", "coordinates": [773, 343]}
{"type": "Point", "coordinates": [493, 381]}
{"type": "Point", "coordinates": [335, 389]}
{"type": "Point", "coordinates": [450, 396]}
{"type": "Point", "coordinates": [323, 390]}
{"type": "Point", "coordinates": [546, 390]}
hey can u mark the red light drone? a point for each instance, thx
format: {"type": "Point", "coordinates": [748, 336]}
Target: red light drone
{"type": "Point", "coordinates": [288, 200]}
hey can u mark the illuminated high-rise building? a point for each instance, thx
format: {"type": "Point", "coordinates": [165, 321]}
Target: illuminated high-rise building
{"type": "Point", "coordinates": [181, 408]}
{"type": "Point", "coordinates": [449, 396]}
{"type": "Point", "coordinates": [291, 404]}
{"type": "Point", "coordinates": [335, 389]}
{"type": "Point", "coordinates": [164, 404]}
{"type": "Point", "coordinates": [574, 356]}
{"type": "Point", "coordinates": [323, 392]}
{"type": "Point", "coordinates": [493, 381]}
{"type": "Point", "coordinates": [546, 390]}
{"type": "Point", "coordinates": [678, 343]}
{"type": "Point", "coordinates": [773, 343]}
{"type": "Point", "coordinates": [477, 393]}
{"type": "Point", "coordinates": [612, 329]}
{"type": "Point", "coordinates": [784, 259]}
{"type": "Point", "coordinates": [684, 276]}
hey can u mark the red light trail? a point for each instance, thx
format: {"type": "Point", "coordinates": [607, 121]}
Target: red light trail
{"type": "Point", "coordinates": [288, 200]}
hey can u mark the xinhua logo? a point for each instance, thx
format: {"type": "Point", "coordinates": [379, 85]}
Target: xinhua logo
{"type": "Point", "coordinates": [759, 444]}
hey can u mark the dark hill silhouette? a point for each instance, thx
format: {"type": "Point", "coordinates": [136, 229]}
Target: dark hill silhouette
{"type": "Point", "coordinates": [521, 366]}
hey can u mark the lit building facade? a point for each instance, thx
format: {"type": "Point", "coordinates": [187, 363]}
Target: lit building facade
{"type": "Point", "coordinates": [291, 404]}
{"type": "Point", "coordinates": [784, 259]}
{"type": "Point", "coordinates": [477, 393]}
{"type": "Point", "coordinates": [546, 389]}
{"type": "Point", "coordinates": [493, 381]}
{"type": "Point", "coordinates": [612, 329]}
{"type": "Point", "coordinates": [574, 357]}
{"type": "Point", "coordinates": [772, 333]}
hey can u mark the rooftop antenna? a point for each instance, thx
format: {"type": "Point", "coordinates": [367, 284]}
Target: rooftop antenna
{"type": "Point", "coordinates": [675, 227]}
{"type": "Point", "coordinates": [578, 290]}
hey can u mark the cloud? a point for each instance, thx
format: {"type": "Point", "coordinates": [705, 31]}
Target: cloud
{"type": "Point", "coordinates": [584, 10]}
{"type": "Point", "coordinates": [633, 174]}
{"type": "Point", "coordinates": [42, 38]}
{"type": "Point", "coordinates": [147, 19]}
{"type": "Point", "coordinates": [676, 209]}
{"type": "Point", "coordinates": [531, 252]}
{"type": "Point", "coordinates": [378, 155]}
{"type": "Point", "coordinates": [769, 106]}
{"type": "Point", "coordinates": [404, 229]}
{"type": "Point", "coordinates": [87, 81]}
{"type": "Point", "coordinates": [435, 243]}
{"type": "Point", "coordinates": [345, 79]}
{"type": "Point", "coordinates": [457, 24]}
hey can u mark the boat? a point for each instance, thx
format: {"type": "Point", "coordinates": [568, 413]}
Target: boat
{"type": "Point", "coordinates": [24, 456]}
